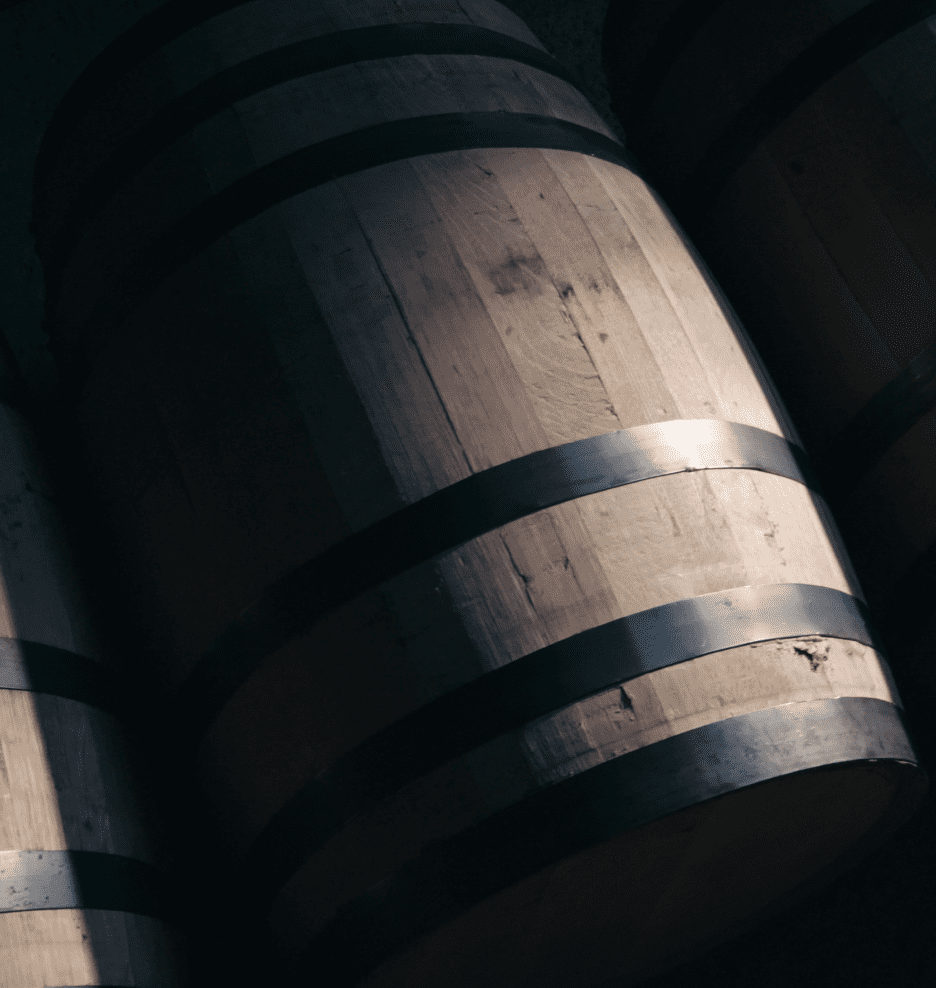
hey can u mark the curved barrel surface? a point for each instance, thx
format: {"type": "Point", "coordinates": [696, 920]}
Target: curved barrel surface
{"type": "Point", "coordinates": [453, 500]}
{"type": "Point", "coordinates": [85, 890]}
{"type": "Point", "coordinates": [804, 168]}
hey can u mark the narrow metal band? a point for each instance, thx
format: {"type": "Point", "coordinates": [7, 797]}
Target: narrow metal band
{"type": "Point", "coordinates": [82, 880]}
{"type": "Point", "coordinates": [39, 668]}
{"type": "Point", "coordinates": [151, 32]}
{"type": "Point", "coordinates": [530, 687]}
{"type": "Point", "coordinates": [456, 514]}
{"type": "Point", "coordinates": [273, 68]}
{"type": "Point", "coordinates": [306, 169]}
{"type": "Point", "coordinates": [681, 27]}
{"type": "Point", "coordinates": [843, 44]}
{"type": "Point", "coordinates": [453, 874]}
{"type": "Point", "coordinates": [886, 417]}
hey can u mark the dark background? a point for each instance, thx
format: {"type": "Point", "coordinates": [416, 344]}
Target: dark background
{"type": "Point", "coordinates": [45, 44]}
{"type": "Point", "coordinates": [876, 927]}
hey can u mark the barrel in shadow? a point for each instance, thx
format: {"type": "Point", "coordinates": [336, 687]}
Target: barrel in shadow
{"type": "Point", "coordinates": [85, 894]}
{"type": "Point", "coordinates": [482, 570]}
{"type": "Point", "coordinates": [796, 141]}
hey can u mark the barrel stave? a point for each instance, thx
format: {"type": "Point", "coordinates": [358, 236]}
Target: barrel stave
{"type": "Point", "coordinates": [498, 631]}
{"type": "Point", "coordinates": [478, 306]}
{"type": "Point", "coordinates": [823, 237]}
{"type": "Point", "coordinates": [609, 899]}
{"type": "Point", "coordinates": [70, 778]}
{"type": "Point", "coordinates": [560, 745]}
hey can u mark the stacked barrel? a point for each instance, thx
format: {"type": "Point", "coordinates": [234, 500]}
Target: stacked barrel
{"type": "Point", "coordinates": [85, 895]}
{"type": "Point", "coordinates": [488, 584]}
{"type": "Point", "coordinates": [796, 142]}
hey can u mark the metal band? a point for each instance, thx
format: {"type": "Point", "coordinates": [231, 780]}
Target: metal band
{"type": "Point", "coordinates": [530, 687]}
{"type": "Point", "coordinates": [305, 169]}
{"type": "Point", "coordinates": [455, 515]}
{"type": "Point", "coordinates": [453, 874]}
{"type": "Point", "coordinates": [886, 417]}
{"type": "Point", "coordinates": [150, 33]}
{"type": "Point", "coordinates": [273, 68]}
{"type": "Point", "coordinates": [843, 44]}
{"type": "Point", "coordinates": [82, 880]}
{"type": "Point", "coordinates": [39, 668]}
{"type": "Point", "coordinates": [674, 36]}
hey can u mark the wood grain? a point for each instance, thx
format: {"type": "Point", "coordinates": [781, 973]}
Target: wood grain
{"type": "Point", "coordinates": [382, 336]}
{"type": "Point", "coordinates": [580, 736]}
{"type": "Point", "coordinates": [67, 779]}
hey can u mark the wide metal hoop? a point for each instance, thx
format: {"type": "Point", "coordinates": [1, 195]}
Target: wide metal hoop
{"type": "Point", "coordinates": [530, 687]}
{"type": "Point", "coordinates": [458, 513]}
{"type": "Point", "coordinates": [453, 874]}
{"type": "Point", "coordinates": [73, 879]}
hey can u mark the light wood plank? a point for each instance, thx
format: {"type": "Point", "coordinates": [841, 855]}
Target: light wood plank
{"type": "Point", "coordinates": [485, 305]}
{"type": "Point", "coordinates": [554, 320]}
{"type": "Point", "coordinates": [88, 947]}
{"type": "Point", "coordinates": [651, 707]}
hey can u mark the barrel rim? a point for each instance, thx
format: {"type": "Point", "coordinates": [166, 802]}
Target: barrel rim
{"type": "Point", "coordinates": [453, 874]}
{"type": "Point", "coordinates": [267, 70]}
{"type": "Point", "coordinates": [535, 685]}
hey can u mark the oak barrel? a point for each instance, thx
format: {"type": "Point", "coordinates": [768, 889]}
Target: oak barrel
{"type": "Point", "coordinates": [511, 637]}
{"type": "Point", "coordinates": [796, 142]}
{"type": "Point", "coordinates": [84, 897]}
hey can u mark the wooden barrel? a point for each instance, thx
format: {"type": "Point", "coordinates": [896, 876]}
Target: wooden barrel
{"type": "Point", "coordinates": [511, 636]}
{"type": "Point", "coordinates": [796, 142]}
{"type": "Point", "coordinates": [83, 894]}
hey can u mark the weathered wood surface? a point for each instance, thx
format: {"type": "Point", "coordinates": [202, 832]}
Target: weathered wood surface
{"type": "Point", "coordinates": [66, 781]}
{"type": "Point", "coordinates": [380, 337]}
{"type": "Point", "coordinates": [824, 240]}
